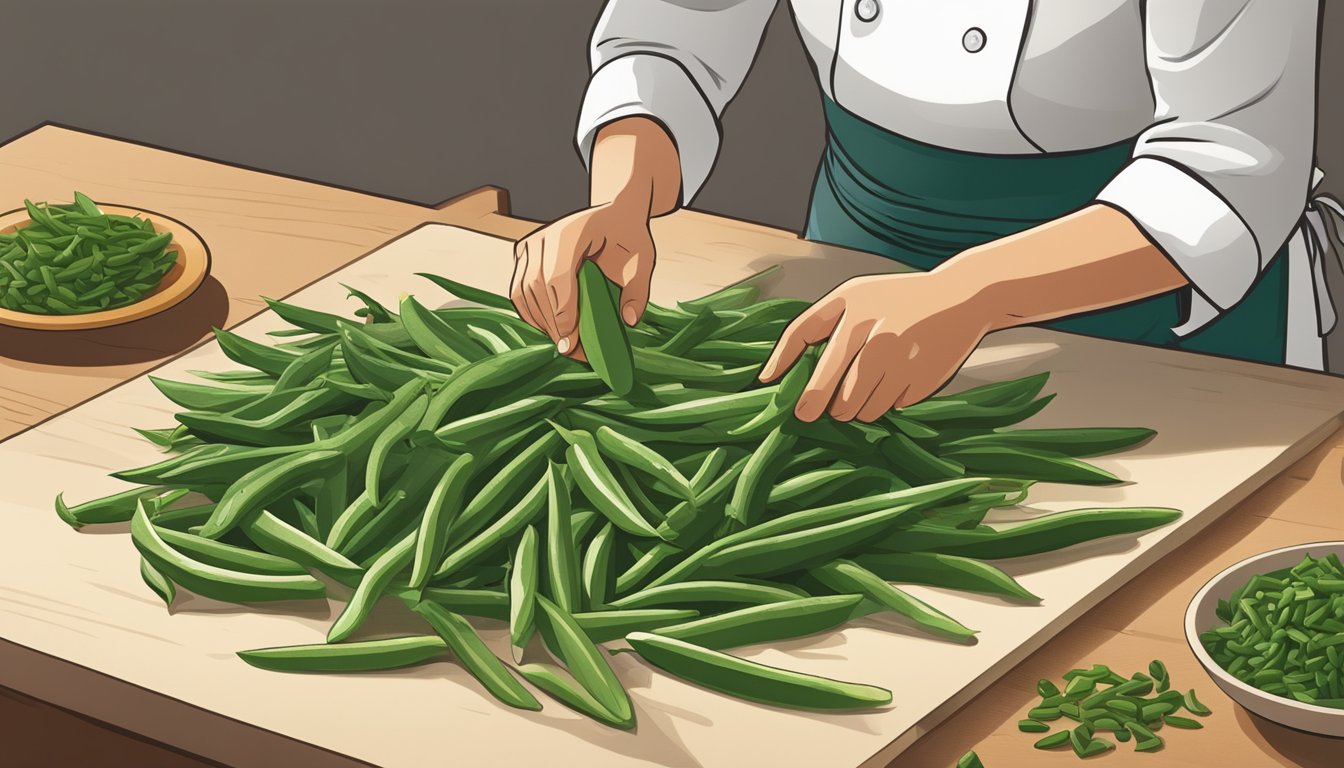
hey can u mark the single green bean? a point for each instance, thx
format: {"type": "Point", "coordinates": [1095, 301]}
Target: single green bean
{"type": "Point", "coordinates": [372, 587]}
{"type": "Point", "coordinates": [228, 556]}
{"type": "Point", "coordinates": [848, 578]}
{"type": "Point", "coordinates": [396, 432]}
{"type": "Point", "coordinates": [1042, 534]}
{"type": "Point", "coordinates": [1070, 442]}
{"type": "Point", "coordinates": [469, 293]}
{"type": "Point", "coordinates": [523, 590]}
{"type": "Point", "coordinates": [601, 330]}
{"type": "Point", "coordinates": [700, 592]}
{"type": "Point", "coordinates": [785, 398]}
{"type": "Point", "coordinates": [212, 581]}
{"type": "Point", "coordinates": [283, 540]}
{"type": "Point", "coordinates": [444, 503]}
{"type": "Point", "coordinates": [607, 625]}
{"type": "Point", "coordinates": [508, 524]}
{"type": "Point", "coordinates": [597, 568]}
{"type": "Point", "coordinates": [599, 485]}
{"type": "Point", "coordinates": [162, 585]}
{"type": "Point", "coordinates": [941, 570]}
{"type": "Point", "coordinates": [758, 476]}
{"type": "Point", "coordinates": [365, 656]}
{"type": "Point", "coordinates": [469, 649]}
{"type": "Point", "coordinates": [752, 681]}
{"type": "Point", "coordinates": [435, 337]}
{"type": "Point", "coordinates": [567, 691]}
{"type": "Point", "coordinates": [766, 623]}
{"type": "Point", "coordinates": [562, 568]}
{"type": "Point", "coordinates": [464, 432]}
{"type": "Point", "coordinates": [485, 603]}
{"type": "Point", "coordinates": [259, 487]}
{"type": "Point", "coordinates": [484, 374]}
{"type": "Point", "coordinates": [117, 508]}
{"type": "Point", "coordinates": [585, 661]}
{"type": "Point", "coordinates": [503, 486]}
{"type": "Point", "coordinates": [638, 456]}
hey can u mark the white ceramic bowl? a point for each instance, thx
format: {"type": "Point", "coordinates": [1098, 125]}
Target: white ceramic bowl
{"type": "Point", "coordinates": [1201, 616]}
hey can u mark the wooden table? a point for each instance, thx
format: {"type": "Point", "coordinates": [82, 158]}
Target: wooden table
{"type": "Point", "coordinates": [270, 235]}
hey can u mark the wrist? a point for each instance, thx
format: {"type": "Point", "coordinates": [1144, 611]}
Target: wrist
{"type": "Point", "coordinates": [635, 168]}
{"type": "Point", "coordinates": [634, 201]}
{"type": "Point", "coordinates": [971, 283]}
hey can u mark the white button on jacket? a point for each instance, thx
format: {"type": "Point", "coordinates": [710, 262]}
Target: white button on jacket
{"type": "Point", "coordinates": [1221, 94]}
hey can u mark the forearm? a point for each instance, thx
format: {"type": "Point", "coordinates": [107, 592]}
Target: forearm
{"type": "Point", "coordinates": [635, 164]}
{"type": "Point", "coordinates": [1093, 259]}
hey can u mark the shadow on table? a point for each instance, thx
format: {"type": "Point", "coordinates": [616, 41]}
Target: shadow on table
{"type": "Point", "coordinates": [152, 338]}
{"type": "Point", "coordinates": [1296, 748]}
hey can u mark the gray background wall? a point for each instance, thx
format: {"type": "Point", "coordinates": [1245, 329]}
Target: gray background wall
{"type": "Point", "coordinates": [417, 99]}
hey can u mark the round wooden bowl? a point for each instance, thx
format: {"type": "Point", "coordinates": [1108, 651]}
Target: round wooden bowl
{"type": "Point", "coordinates": [187, 274]}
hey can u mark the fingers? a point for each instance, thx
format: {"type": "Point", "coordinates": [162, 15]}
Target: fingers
{"type": "Point", "coordinates": [844, 346]}
{"type": "Point", "coordinates": [558, 285]}
{"type": "Point", "coordinates": [811, 327]}
{"type": "Point", "coordinates": [534, 286]}
{"type": "Point", "coordinates": [562, 296]}
{"type": "Point", "coordinates": [874, 364]}
{"type": "Point", "coordinates": [888, 391]}
{"type": "Point", "coordinates": [635, 282]}
{"type": "Point", "coordinates": [516, 292]}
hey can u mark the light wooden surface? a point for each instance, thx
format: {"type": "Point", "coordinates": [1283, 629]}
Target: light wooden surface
{"type": "Point", "coordinates": [77, 596]}
{"type": "Point", "coordinates": [268, 235]}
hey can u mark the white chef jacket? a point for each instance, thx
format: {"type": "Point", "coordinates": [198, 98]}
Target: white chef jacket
{"type": "Point", "coordinates": [1220, 93]}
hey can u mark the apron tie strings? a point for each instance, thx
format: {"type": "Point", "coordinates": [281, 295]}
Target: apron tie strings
{"type": "Point", "coordinates": [1321, 245]}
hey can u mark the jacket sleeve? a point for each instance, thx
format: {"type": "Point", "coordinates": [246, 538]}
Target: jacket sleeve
{"type": "Point", "coordinates": [1220, 180]}
{"type": "Point", "coordinates": [676, 61]}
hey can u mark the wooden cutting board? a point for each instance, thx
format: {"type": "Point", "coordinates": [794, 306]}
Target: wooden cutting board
{"type": "Point", "coordinates": [79, 629]}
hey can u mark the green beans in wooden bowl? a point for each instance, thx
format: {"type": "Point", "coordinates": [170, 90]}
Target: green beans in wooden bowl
{"type": "Point", "coordinates": [85, 265]}
{"type": "Point", "coordinates": [449, 459]}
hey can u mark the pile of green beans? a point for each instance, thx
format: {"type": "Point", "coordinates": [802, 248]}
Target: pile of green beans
{"type": "Point", "coordinates": [74, 258]}
{"type": "Point", "coordinates": [1283, 632]}
{"type": "Point", "coordinates": [1101, 700]}
{"type": "Point", "coordinates": [450, 459]}
{"type": "Point", "coordinates": [970, 760]}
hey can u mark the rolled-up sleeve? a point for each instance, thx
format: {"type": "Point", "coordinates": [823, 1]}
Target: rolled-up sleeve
{"type": "Point", "coordinates": [1220, 181]}
{"type": "Point", "coordinates": [676, 61]}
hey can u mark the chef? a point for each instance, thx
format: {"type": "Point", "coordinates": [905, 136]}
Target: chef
{"type": "Point", "coordinates": [1131, 169]}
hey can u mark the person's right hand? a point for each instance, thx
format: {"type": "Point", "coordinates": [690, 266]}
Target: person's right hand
{"type": "Point", "coordinates": [546, 267]}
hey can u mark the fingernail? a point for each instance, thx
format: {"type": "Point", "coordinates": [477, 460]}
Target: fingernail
{"type": "Point", "coordinates": [800, 410]}
{"type": "Point", "coordinates": [564, 345]}
{"type": "Point", "coordinates": [629, 314]}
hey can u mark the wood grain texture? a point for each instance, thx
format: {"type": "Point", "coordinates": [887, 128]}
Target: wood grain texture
{"type": "Point", "coordinates": [76, 597]}
{"type": "Point", "coordinates": [268, 235]}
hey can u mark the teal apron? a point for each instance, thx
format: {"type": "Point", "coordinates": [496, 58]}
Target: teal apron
{"type": "Point", "coordinates": [920, 205]}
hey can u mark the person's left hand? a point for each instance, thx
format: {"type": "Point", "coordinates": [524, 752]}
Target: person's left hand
{"type": "Point", "coordinates": [894, 340]}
